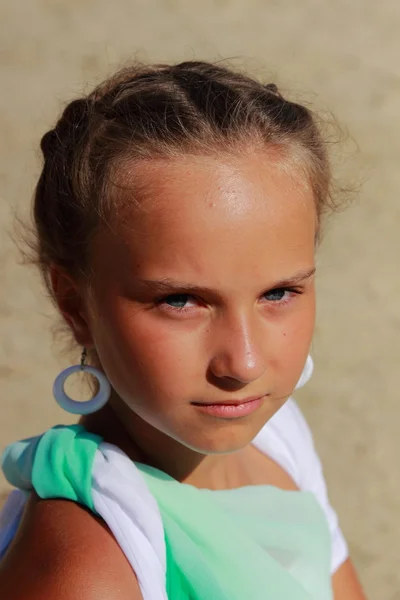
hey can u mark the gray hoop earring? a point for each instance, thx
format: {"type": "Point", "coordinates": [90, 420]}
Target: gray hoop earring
{"type": "Point", "coordinates": [82, 408]}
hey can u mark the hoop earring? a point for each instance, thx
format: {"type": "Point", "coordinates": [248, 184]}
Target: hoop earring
{"type": "Point", "coordinates": [82, 408]}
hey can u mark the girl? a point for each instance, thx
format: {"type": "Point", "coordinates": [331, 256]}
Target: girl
{"type": "Point", "coordinates": [177, 215]}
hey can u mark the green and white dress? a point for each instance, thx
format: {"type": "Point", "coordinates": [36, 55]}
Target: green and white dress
{"type": "Point", "coordinates": [255, 542]}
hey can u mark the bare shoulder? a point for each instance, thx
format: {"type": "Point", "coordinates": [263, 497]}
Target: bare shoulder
{"type": "Point", "coordinates": [346, 585]}
{"type": "Point", "coordinates": [63, 552]}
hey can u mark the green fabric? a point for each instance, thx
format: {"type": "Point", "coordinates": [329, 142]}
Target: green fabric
{"type": "Point", "coordinates": [219, 541]}
{"type": "Point", "coordinates": [256, 542]}
{"type": "Point", "coordinates": [17, 462]}
{"type": "Point", "coordinates": [65, 455]}
{"type": "Point", "coordinates": [57, 464]}
{"type": "Point", "coordinates": [176, 584]}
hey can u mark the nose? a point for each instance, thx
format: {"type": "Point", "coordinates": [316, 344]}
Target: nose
{"type": "Point", "coordinates": [238, 358]}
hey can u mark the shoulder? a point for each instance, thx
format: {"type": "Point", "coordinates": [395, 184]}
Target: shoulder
{"type": "Point", "coordinates": [64, 552]}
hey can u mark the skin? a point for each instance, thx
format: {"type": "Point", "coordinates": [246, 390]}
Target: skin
{"type": "Point", "coordinates": [201, 292]}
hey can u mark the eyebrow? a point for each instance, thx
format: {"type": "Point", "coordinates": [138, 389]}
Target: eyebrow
{"type": "Point", "coordinates": [171, 286]}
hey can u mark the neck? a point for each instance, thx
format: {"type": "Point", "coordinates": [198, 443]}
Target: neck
{"type": "Point", "coordinates": [118, 425]}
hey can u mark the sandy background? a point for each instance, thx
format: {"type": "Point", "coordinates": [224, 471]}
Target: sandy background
{"type": "Point", "coordinates": [340, 56]}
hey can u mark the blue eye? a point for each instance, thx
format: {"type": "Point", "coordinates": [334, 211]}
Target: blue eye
{"type": "Point", "coordinates": [177, 300]}
{"type": "Point", "coordinates": [276, 295]}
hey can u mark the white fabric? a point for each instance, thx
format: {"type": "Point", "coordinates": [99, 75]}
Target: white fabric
{"type": "Point", "coordinates": [307, 373]}
{"type": "Point", "coordinates": [287, 439]}
{"type": "Point", "coordinates": [122, 499]}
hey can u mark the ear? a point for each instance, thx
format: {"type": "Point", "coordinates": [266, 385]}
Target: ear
{"type": "Point", "coordinates": [69, 298]}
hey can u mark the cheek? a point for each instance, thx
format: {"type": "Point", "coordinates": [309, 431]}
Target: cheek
{"type": "Point", "coordinates": [299, 328]}
{"type": "Point", "coordinates": [293, 343]}
{"type": "Point", "coordinates": [152, 361]}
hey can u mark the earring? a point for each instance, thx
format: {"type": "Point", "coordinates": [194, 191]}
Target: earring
{"type": "Point", "coordinates": [306, 374]}
{"type": "Point", "coordinates": [82, 408]}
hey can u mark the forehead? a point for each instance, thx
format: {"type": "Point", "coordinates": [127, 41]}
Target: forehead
{"type": "Point", "coordinates": [198, 209]}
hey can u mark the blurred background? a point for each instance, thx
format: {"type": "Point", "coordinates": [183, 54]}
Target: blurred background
{"type": "Point", "coordinates": [336, 55]}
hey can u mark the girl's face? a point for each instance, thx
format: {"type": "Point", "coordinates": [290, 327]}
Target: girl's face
{"type": "Point", "coordinates": [203, 296]}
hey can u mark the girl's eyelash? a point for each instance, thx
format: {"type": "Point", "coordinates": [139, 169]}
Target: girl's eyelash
{"type": "Point", "coordinates": [170, 296]}
{"type": "Point", "coordinates": [163, 301]}
{"type": "Point", "coordinates": [162, 304]}
{"type": "Point", "coordinates": [285, 290]}
{"type": "Point", "coordinates": [281, 301]}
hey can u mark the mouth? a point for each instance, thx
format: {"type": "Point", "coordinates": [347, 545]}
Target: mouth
{"type": "Point", "coordinates": [231, 409]}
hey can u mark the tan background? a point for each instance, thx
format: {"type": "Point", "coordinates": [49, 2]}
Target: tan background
{"type": "Point", "coordinates": [339, 55]}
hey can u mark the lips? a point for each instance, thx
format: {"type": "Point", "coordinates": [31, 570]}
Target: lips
{"type": "Point", "coordinates": [230, 409]}
{"type": "Point", "coordinates": [230, 402]}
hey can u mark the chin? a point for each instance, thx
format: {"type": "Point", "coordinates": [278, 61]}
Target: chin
{"type": "Point", "coordinates": [223, 436]}
{"type": "Point", "coordinates": [224, 439]}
